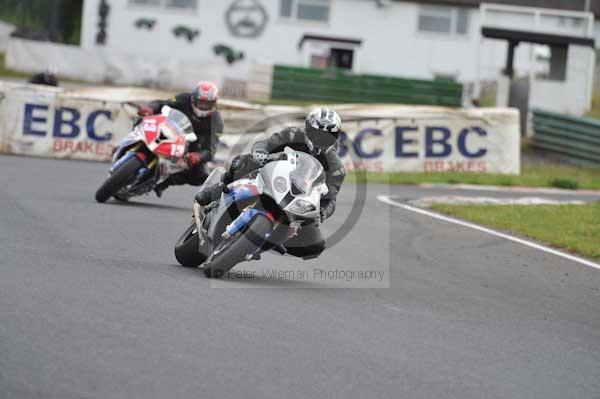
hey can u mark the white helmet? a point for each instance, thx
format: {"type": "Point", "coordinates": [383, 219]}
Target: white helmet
{"type": "Point", "coordinates": [323, 127]}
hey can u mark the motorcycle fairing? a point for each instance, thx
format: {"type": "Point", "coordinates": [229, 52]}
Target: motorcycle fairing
{"type": "Point", "coordinates": [268, 174]}
{"type": "Point", "coordinates": [244, 219]}
{"type": "Point", "coordinates": [150, 126]}
{"type": "Point", "coordinates": [120, 161]}
{"type": "Point", "coordinates": [244, 190]}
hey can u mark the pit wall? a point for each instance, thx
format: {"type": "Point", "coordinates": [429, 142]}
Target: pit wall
{"type": "Point", "coordinates": [88, 123]}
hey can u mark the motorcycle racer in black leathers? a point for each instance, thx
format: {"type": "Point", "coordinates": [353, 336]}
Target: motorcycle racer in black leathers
{"type": "Point", "coordinates": [200, 108]}
{"type": "Point", "coordinates": [320, 139]}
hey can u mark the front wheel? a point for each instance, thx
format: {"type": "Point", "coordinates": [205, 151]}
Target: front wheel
{"type": "Point", "coordinates": [187, 248]}
{"type": "Point", "coordinates": [118, 179]}
{"type": "Point", "coordinates": [237, 248]}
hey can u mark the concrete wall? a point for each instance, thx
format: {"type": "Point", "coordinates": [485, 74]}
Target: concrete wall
{"type": "Point", "coordinates": [106, 66]}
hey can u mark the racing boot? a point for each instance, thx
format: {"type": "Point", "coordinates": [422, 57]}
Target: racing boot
{"type": "Point", "coordinates": [162, 187]}
{"type": "Point", "coordinates": [120, 197]}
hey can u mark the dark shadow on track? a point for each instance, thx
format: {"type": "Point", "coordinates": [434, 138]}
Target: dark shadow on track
{"type": "Point", "coordinates": [149, 205]}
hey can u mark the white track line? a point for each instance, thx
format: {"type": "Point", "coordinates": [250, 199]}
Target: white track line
{"type": "Point", "coordinates": [510, 189]}
{"type": "Point", "coordinates": [386, 199]}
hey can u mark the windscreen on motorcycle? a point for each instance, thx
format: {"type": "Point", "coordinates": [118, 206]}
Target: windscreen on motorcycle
{"type": "Point", "coordinates": [308, 173]}
{"type": "Point", "coordinates": [179, 122]}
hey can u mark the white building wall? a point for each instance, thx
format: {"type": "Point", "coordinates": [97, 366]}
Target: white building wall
{"type": "Point", "coordinates": [550, 95]}
{"type": "Point", "coordinates": [5, 30]}
{"type": "Point", "coordinates": [391, 41]}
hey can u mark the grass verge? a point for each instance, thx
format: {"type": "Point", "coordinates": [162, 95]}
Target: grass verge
{"type": "Point", "coordinates": [575, 228]}
{"type": "Point", "coordinates": [535, 175]}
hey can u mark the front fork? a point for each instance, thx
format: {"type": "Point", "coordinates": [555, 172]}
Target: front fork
{"type": "Point", "coordinates": [131, 152]}
{"type": "Point", "coordinates": [244, 219]}
{"type": "Point", "coordinates": [247, 215]}
{"type": "Point", "coordinates": [199, 224]}
{"type": "Point", "coordinates": [134, 151]}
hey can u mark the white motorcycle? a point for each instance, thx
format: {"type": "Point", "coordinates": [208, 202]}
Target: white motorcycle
{"type": "Point", "coordinates": [257, 213]}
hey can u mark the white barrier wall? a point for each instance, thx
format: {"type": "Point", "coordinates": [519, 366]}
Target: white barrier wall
{"type": "Point", "coordinates": [47, 122]}
{"type": "Point", "coordinates": [100, 65]}
{"type": "Point", "coordinates": [431, 139]}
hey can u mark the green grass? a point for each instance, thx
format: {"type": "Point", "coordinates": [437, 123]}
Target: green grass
{"type": "Point", "coordinates": [575, 228]}
{"type": "Point", "coordinates": [7, 73]}
{"type": "Point", "coordinates": [534, 175]}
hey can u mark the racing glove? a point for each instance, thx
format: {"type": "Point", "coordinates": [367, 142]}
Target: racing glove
{"type": "Point", "coordinates": [193, 158]}
{"type": "Point", "coordinates": [322, 215]}
{"type": "Point", "coordinates": [145, 110]}
{"type": "Point", "coordinates": [240, 165]}
{"type": "Point", "coordinates": [327, 209]}
{"type": "Point", "coordinates": [261, 156]}
{"type": "Point", "coordinates": [236, 164]}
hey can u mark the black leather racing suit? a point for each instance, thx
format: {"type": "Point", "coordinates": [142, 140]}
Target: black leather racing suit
{"type": "Point", "coordinates": [207, 130]}
{"type": "Point", "coordinates": [309, 242]}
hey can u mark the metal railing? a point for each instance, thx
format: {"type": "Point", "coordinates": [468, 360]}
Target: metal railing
{"type": "Point", "coordinates": [336, 85]}
{"type": "Point", "coordinates": [577, 139]}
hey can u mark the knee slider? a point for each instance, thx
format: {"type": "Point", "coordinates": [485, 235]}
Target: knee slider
{"type": "Point", "coordinates": [314, 250]}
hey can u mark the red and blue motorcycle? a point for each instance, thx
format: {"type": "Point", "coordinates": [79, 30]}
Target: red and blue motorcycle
{"type": "Point", "coordinates": [153, 151]}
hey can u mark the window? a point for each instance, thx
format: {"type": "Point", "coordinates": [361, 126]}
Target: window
{"type": "Point", "coordinates": [181, 4]}
{"type": "Point", "coordinates": [305, 10]}
{"type": "Point", "coordinates": [462, 21]}
{"type": "Point", "coordinates": [447, 20]}
{"type": "Point", "coordinates": [144, 2]}
{"type": "Point", "coordinates": [172, 4]}
{"type": "Point", "coordinates": [435, 19]}
{"type": "Point", "coordinates": [558, 63]}
{"type": "Point", "coordinates": [341, 58]}
{"type": "Point", "coordinates": [286, 8]}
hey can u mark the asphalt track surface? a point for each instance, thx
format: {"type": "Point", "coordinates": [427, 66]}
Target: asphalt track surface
{"type": "Point", "coordinates": [93, 305]}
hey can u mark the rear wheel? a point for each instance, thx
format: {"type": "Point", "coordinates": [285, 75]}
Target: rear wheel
{"type": "Point", "coordinates": [187, 248]}
{"type": "Point", "coordinates": [237, 248]}
{"type": "Point", "coordinates": [118, 179]}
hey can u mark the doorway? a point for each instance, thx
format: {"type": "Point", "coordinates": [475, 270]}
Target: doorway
{"type": "Point", "coordinates": [341, 58]}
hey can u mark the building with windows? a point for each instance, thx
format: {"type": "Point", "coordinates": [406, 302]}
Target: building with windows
{"type": "Point", "coordinates": [420, 39]}
{"type": "Point", "coordinates": [176, 42]}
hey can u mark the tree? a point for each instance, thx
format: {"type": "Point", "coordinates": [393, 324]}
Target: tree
{"type": "Point", "coordinates": [56, 20]}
